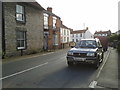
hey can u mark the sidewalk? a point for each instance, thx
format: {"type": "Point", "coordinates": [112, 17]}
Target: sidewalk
{"type": "Point", "coordinates": [17, 58]}
{"type": "Point", "coordinates": [108, 78]}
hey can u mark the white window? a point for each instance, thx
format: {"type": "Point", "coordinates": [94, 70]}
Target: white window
{"type": "Point", "coordinates": [76, 35]}
{"type": "Point", "coordinates": [20, 16]}
{"type": "Point", "coordinates": [67, 39]}
{"type": "Point", "coordinates": [64, 39]}
{"type": "Point", "coordinates": [73, 40]}
{"type": "Point", "coordinates": [73, 35]}
{"type": "Point", "coordinates": [54, 22]}
{"type": "Point", "coordinates": [61, 31]}
{"type": "Point", "coordinates": [64, 32]}
{"type": "Point", "coordinates": [21, 39]}
{"type": "Point", "coordinates": [67, 32]}
{"type": "Point", "coordinates": [45, 21]}
{"type": "Point", "coordinates": [81, 35]}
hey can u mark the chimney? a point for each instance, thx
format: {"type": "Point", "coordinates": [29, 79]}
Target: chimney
{"type": "Point", "coordinates": [49, 9]}
{"type": "Point", "coordinates": [86, 28]}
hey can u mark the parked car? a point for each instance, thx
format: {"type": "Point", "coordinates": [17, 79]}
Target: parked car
{"type": "Point", "coordinates": [86, 51]}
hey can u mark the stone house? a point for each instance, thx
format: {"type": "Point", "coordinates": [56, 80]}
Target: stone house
{"type": "Point", "coordinates": [22, 28]}
{"type": "Point", "coordinates": [77, 35]}
{"type": "Point", "coordinates": [52, 24]}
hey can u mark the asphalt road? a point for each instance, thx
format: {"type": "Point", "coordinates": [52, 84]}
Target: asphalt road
{"type": "Point", "coordinates": [48, 71]}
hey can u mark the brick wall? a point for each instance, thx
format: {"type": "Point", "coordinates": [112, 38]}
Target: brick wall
{"type": "Point", "coordinates": [50, 23]}
{"type": "Point", "coordinates": [52, 31]}
{"type": "Point", "coordinates": [33, 26]}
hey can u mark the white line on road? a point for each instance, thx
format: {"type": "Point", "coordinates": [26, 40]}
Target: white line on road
{"type": "Point", "coordinates": [23, 71]}
{"type": "Point", "coordinates": [93, 84]}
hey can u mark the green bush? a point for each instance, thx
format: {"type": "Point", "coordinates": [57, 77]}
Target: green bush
{"type": "Point", "coordinates": [115, 40]}
{"type": "Point", "coordinates": [118, 47]}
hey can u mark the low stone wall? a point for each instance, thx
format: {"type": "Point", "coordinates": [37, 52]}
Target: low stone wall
{"type": "Point", "coordinates": [67, 45]}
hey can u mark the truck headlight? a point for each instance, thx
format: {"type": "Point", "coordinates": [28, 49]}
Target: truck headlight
{"type": "Point", "coordinates": [90, 54]}
{"type": "Point", "coordinates": [70, 53]}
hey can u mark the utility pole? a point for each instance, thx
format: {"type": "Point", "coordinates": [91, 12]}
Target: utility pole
{"type": "Point", "coordinates": [84, 25]}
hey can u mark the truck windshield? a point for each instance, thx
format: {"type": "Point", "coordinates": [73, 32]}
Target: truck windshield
{"type": "Point", "coordinates": [86, 44]}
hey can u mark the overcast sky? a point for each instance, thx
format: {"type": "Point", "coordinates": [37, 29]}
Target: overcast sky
{"type": "Point", "coordinates": [77, 14]}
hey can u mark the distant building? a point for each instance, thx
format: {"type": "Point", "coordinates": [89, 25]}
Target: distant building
{"type": "Point", "coordinates": [118, 32]}
{"type": "Point", "coordinates": [102, 33]}
{"type": "Point", "coordinates": [77, 35]}
{"type": "Point", "coordinates": [103, 37]}
{"type": "Point", "coordinates": [65, 34]}
{"type": "Point", "coordinates": [52, 24]}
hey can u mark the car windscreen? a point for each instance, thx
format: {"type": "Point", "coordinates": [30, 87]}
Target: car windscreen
{"type": "Point", "coordinates": [86, 44]}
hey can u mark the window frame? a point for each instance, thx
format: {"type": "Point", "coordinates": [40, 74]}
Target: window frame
{"type": "Point", "coordinates": [23, 20]}
{"type": "Point", "coordinates": [54, 22]}
{"type": "Point", "coordinates": [45, 20]}
{"type": "Point", "coordinates": [20, 40]}
{"type": "Point", "coordinates": [81, 35]}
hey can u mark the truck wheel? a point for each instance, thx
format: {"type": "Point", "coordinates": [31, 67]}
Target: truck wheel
{"type": "Point", "coordinates": [102, 57]}
{"type": "Point", "coordinates": [70, 63]}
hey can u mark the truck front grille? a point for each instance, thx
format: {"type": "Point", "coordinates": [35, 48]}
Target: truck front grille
{"type": "Point", "coordinates": [79, 54]}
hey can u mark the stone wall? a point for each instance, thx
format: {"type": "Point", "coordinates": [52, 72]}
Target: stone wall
{"type": "Point", "coordinates": [33, 26]}
{"type": "Point", "coordinates": [0, 30]}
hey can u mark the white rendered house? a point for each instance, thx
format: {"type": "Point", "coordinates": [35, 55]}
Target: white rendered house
{"type": "Point", "coordinates": [65, 34]}
{"type": "Point", "coordinates": [77, 35]}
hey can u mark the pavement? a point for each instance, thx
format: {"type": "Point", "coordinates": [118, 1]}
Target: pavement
{"type": "Point", "coordinates": [18, 58]}
{"type": "Point", "coordinates": [108, 78]}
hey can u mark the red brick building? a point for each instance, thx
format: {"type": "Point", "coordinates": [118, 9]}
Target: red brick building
{"type": "Point", "coordinates": [52, 24]}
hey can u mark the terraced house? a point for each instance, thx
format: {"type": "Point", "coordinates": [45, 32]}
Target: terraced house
{"type": "Point", "coordinates": [65, 36]}
{"type": "Point", "coordinates": [52, 24]}
{"type": "Point", "coordinates": [22, 28]}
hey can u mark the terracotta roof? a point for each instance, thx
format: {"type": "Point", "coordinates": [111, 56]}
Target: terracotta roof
{"type": "Point", "coordinates": [78, 31]}
{"type": "Point", "coordinates": [63, 26]}
{"type": "Point", "coordinates": [101, 32]}
{"type": "Point", "coordinates": [50, 13]}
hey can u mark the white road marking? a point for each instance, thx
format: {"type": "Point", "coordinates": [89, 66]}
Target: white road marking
{"type": "Point", "coordinates": [23, 71]}
{"type": "Point", "coordinates": [93, 84]}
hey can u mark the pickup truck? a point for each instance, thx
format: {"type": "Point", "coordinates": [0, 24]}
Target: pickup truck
{"type": "Point", "coordinates": [86, 51]}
